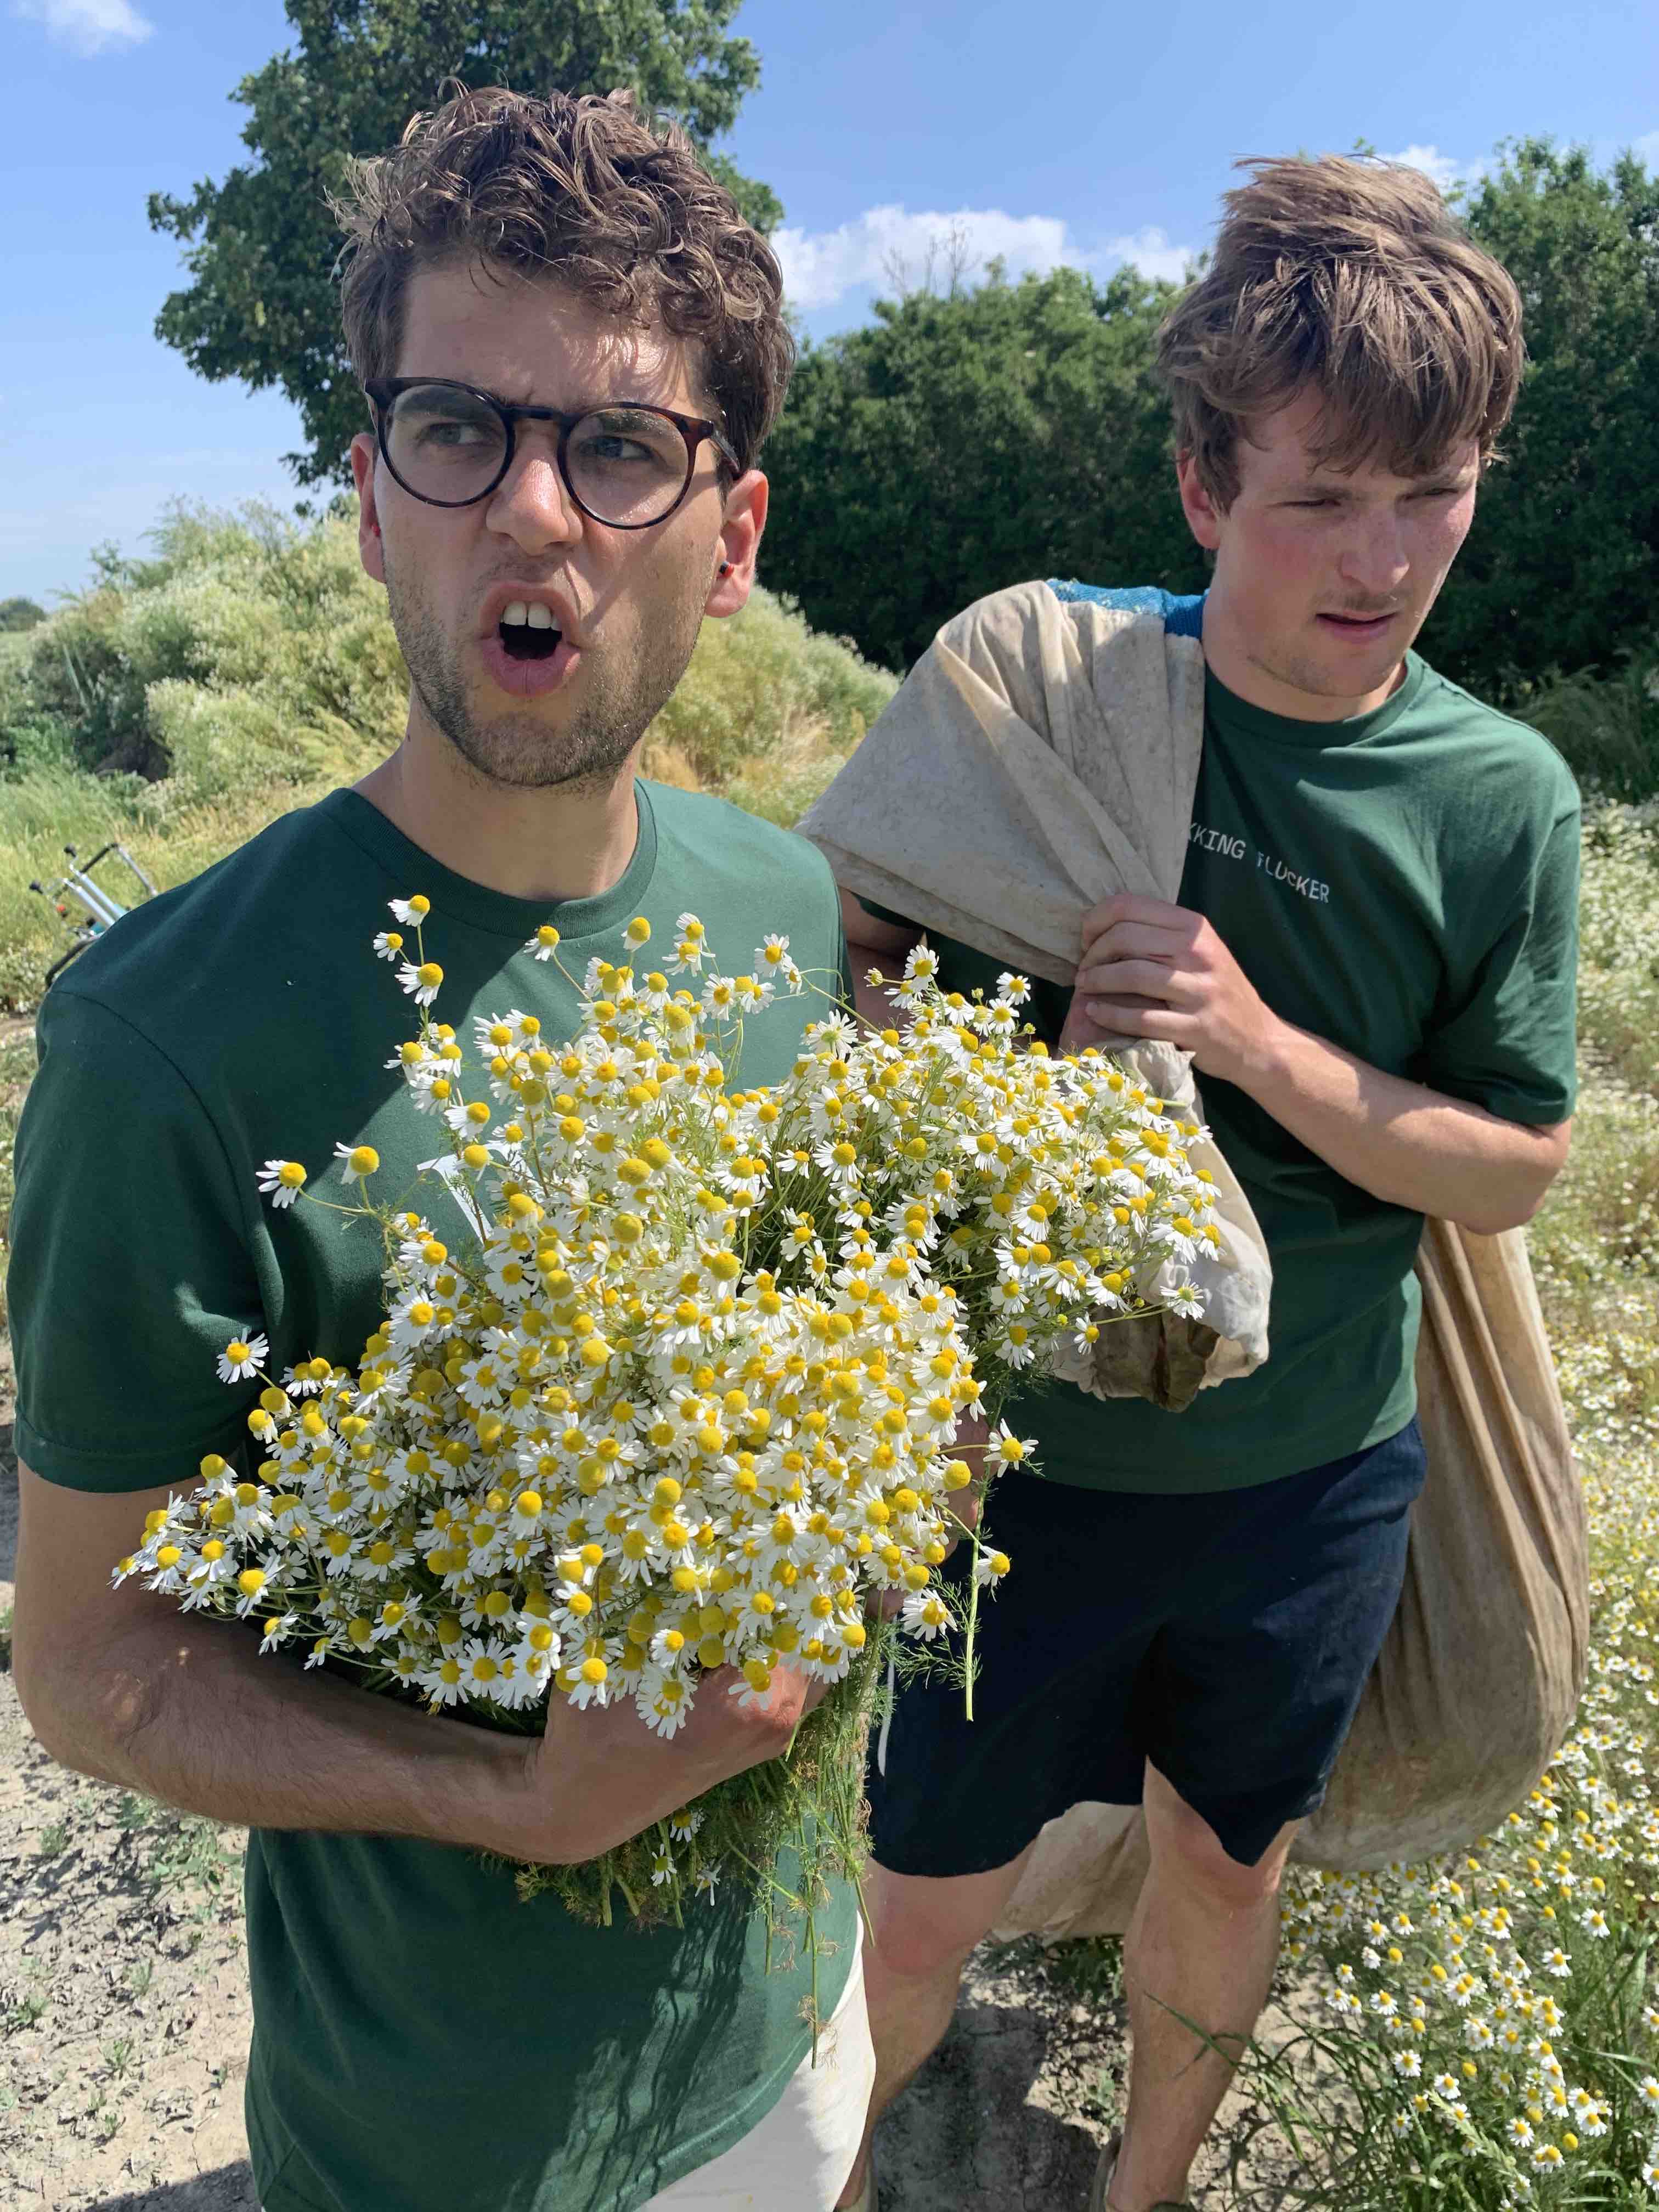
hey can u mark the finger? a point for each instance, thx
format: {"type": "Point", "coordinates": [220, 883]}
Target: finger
{"type": "Point", "coordinates": [1137, 1017]}
{"type": "Point", "coordinates": [1133, 979]}
{"type": "Point", "coordinates": [1139, 940]}
{"type": "Point", "coordinates": [1132, 906]}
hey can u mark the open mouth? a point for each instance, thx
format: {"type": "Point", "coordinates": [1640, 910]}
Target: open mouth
{"type": "Point", "coordinates": [527, 632]}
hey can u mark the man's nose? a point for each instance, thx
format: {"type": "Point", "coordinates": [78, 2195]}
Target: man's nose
{"type": "Point", "coordinates": [531, 506]}
{"type": "Point", "coordinates": [1374, 556]}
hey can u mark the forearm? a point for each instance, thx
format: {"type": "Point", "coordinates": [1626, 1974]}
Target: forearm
{"type": "Point", "coordinates": [187, 1710]}
{"type": "Point", "coordinates": [1399, 1140]}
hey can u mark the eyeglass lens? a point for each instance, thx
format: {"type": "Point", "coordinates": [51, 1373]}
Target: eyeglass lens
{"type": "Point", "coordinates": [625, 464]}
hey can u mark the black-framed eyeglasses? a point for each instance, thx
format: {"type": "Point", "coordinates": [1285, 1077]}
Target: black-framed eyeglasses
{"type": "Point", "coordinates": [625, 464]}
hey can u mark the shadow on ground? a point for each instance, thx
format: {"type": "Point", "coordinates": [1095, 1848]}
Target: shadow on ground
{"type": "Point", "coordinates": [227, 2189]}
{"type": "Point", "coordinates": [967, 2136]}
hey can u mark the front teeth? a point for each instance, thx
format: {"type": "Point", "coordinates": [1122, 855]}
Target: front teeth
{"type": "Point", "coordinates": [516, 614]}
{"type": "Point", "coordinates": [541, 617]}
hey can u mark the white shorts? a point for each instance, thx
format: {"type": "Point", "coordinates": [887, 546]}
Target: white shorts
{"type": "Point", "coordinates": [798, 2157]}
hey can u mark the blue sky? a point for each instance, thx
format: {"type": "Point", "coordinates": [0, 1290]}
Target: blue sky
{"type": "Point", "coordinates": [1093, 135]}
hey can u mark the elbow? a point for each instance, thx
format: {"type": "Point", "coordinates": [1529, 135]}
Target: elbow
{"type": "Point", "coordinates": [1512, 1210]}
{"type": "Point", "coordinates": [1492, 1224]}
{"type": "Point", "coordinates": [81, 1721]}
{"type": "Point", "coordinates": [1511, 1199]}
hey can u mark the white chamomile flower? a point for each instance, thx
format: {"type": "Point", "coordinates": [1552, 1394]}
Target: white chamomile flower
{"type": "Point", "coordinates": [388, 945]}
{"type": "Point", "coordinates": [358, 1161]}
{"type": "Point", "coordinates": [412, 912]}
{"type": "Point", "coordinates": [242, 1357]}
{"type": "Point", "coordinates": [422, 982]}
{"type": "Point", "coordinates": [281, 1180]}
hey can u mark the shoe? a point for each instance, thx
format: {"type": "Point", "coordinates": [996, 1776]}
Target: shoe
{"type": "Point", "coordinates": [1100, 2198]}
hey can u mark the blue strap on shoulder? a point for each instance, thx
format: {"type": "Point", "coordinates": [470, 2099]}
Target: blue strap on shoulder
{"type": "Point", "coordinates": [1183, 617]}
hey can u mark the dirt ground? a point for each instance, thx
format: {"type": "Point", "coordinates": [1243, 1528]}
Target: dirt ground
{"type": "Point", "coordinates": [124, 2015]}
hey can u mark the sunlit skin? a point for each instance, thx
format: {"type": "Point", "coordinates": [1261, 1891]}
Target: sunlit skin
{"type": "Point", "coordinates": [1302, 542]}
{"type": "Point", "coordinates": [631, 601]}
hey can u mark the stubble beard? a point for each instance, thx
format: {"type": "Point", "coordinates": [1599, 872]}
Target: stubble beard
{"type": "Point", "coordinates": [523, 751]}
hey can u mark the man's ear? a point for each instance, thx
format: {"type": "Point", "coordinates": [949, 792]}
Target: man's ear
{"type": "Point", "coordinates": [738, 546]}
{"type": "Point", "coordinates": [370, 552]}
{"type": "Point", "coordinates": [1204, 517]}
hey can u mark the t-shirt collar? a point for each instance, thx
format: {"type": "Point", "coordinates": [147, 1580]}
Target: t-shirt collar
{"type": "Point", "coordinates": [1242, 719]}
{"type": "Point", "coordinates": [459, 898]}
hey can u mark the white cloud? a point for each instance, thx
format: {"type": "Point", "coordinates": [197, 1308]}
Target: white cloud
{"type": "Point", "coordinates": [1150, 252]}
{"type": "Point", "coordinates": [1646, 149]}
{"type": "Point", "coordinates": [889, 246]}
{"type": "Point", "coordinates": [1446, 169]}
{"type": "Point", "coordinates": [88, 26]}
{"type": "Point", "coordinates": [819, 267]}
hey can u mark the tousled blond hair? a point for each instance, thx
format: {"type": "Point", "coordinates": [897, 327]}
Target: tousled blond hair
{"type": "Point", "coordinates": [1354, 279]}
{"type": "Point", "coordinates": [587, 192]}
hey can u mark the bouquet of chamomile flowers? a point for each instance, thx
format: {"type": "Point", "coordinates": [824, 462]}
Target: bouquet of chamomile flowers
{"type": "Point", "coordinates": [672, 1384]}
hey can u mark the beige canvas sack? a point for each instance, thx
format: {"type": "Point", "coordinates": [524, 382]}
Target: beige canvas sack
{"type": "Point", "coordinates": [1038, 758]}
{"type": "Point", "coordinates": [1041, 755]}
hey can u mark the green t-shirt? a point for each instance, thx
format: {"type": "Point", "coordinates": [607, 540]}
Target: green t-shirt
{"type": "Point", "coordinates": [1405, 884]}
{"type": "Point", "coordinates": [421, 2039]}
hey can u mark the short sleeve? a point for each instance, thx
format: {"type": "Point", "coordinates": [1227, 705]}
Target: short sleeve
{"type": "Point", "coordinates": [131, 1266]}
{"type": "Point", "coordinates": [1510, 1045]}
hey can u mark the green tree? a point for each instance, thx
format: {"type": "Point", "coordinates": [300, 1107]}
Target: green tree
{"type": "Point", "coordinates": [260, 246]}
{"type": "Point", "coordinates": [965, 441]}
{"type": "Point", "coordinates": [20, 614]}
{"type": "Point", "coordinates": [1561, 570]}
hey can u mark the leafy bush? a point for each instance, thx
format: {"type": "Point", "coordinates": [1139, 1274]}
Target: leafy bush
{"type": "Point", "coordinates": [279, 639]}
{"type": "Point", "coordinates": [1606, 728]}
{"type": "Point", "coordinates": [764, 680]}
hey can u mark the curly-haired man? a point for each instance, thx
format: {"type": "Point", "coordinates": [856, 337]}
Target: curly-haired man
{"type": "Point", "coordinates": [572, 348]}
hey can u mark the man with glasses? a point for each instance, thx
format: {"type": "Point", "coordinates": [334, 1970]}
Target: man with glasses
{"type": "Point", "coordinates": [572, 348]}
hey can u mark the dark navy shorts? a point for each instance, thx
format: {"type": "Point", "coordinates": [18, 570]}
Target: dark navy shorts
{"type": "Point", "coordinates": [1225, 1637]}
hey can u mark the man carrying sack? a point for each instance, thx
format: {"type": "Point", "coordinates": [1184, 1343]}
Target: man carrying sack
{"type": "Point", "coordinates": [1369, 958]}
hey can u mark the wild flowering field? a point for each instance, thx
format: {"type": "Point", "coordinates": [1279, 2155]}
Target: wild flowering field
{"type": "Point", "coordinates": [1482, 2031]}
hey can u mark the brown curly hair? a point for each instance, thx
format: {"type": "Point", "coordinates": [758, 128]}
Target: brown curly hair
{"type": "Point", "coordinates": [1354, 279]}
{"type": "Point", "coordinates": [586, 191]}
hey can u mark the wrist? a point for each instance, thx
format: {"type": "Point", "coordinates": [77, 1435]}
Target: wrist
{"type": "Point", "coordinates": [1259, 1064]}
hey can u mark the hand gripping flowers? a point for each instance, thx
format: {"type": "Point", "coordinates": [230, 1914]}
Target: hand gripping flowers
{"type": "Point", "coordinates": [672, 1382]}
